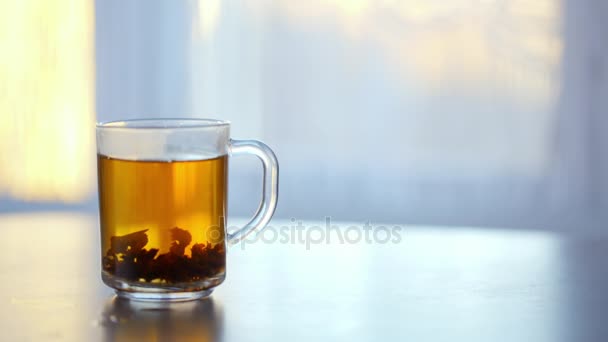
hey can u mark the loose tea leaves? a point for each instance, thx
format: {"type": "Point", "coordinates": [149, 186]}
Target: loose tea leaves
{"type": "Point", "coordinates": [127, 258]}
{"type": "Point", "coordinates": [181, 239]}
{"type": "Point", "coordinates": [125, 243]}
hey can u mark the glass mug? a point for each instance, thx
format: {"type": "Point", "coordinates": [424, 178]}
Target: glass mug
{"type": "Point", "coordinates": [162, 205]}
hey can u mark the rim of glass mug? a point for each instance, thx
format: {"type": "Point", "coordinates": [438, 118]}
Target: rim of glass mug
{"type": "Point", "coordinates": [162, 123]}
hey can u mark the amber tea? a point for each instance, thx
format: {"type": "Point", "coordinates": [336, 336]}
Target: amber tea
{"type": "Point", "coordinates": [162, 223]}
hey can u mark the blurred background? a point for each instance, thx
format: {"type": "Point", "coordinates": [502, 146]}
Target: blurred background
{"type": "Point", "coordinates": [464, 112]}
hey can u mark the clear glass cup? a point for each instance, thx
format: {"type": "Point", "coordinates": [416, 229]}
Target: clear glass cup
{"type": "Point", "coordinates": [163, 187]}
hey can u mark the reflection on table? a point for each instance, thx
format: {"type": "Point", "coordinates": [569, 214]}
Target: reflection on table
{"type": "Point", "coordinates": [125, 320]}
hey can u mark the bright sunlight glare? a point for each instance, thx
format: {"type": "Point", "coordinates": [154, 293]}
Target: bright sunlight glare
{"type": "Point", "coordinates": [46, 99]}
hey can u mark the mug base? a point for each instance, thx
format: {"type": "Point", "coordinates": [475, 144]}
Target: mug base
{"type": "Point", "coordinates": [150, 292]}
{"type": "Point", "coordinates": [164, 297]}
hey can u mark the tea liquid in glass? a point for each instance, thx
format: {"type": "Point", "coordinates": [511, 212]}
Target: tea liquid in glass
{"type": "Point", "coordinates": [163, 221]}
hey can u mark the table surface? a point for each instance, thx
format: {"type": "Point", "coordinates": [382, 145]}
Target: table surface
{"type": "Point", "coordinates": [434, 284]}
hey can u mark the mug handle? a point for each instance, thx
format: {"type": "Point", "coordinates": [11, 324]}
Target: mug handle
{"type": "Point", "coordinates": [270, 186]}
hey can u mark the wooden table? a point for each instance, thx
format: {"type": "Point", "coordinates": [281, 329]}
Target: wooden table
{"type": "Point", "coordinates": [436, 284]}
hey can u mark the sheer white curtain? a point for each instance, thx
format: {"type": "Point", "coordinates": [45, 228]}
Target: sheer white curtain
{"type": "Point", "coordinates": [473, 112]}
{"type": "Point", "coordinates": [579, 182]}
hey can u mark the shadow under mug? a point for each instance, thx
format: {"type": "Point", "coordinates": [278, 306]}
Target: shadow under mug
{"type": "Point", "coordinates": [162, 205]}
